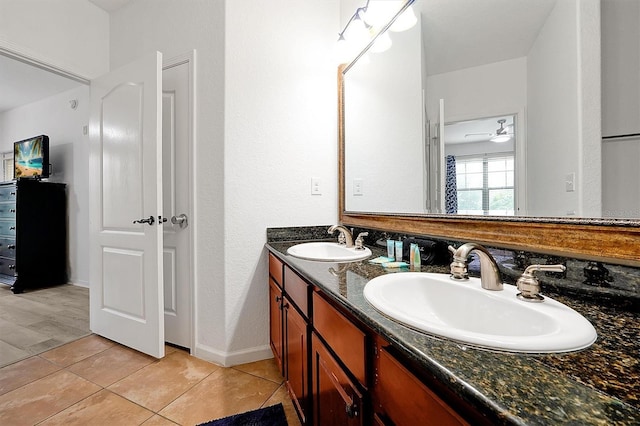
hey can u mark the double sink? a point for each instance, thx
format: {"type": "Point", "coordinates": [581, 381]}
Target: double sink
{"type": "Point", "coordinates": [462, 310]}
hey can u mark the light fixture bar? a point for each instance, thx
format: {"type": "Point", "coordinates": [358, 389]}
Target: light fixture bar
{"type": "Point", "coordinates": [373, 40]}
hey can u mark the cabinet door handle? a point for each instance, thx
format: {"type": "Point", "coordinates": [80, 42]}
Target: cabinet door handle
{"type": "Point", "coordinates": [350, 406]}
{"type": "Point", "coordinates": [12, 267]}
{"type": "Point", "coordinates": [278, 298]}
{"type": "Point", "coordinates": [12, 228]}
{"type": "Point", "coordinates": [11, 246]}
{"type": "Point", "coordinates": [12, 210]}
{"type": "Point", "coordinates": [12, 193]}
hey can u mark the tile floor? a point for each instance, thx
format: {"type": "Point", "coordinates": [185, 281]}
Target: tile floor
{"type": "Point", "coordinates": [31, 323]}
{"type": "Point", "coordinates": [94, 381]}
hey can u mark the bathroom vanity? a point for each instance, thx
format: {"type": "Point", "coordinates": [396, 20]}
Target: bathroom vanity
{"type": "Point", "coordinates": [347, 364]}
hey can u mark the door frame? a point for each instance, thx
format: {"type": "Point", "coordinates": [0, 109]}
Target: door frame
{"type": "Point", "coordinates": [189, 58]}
{"type": "Point", "coordinates": [21, 54]}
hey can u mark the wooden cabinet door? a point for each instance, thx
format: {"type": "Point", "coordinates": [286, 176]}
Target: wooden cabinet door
{"type": "Point", "coordinates": [275, 323]}
{"type": "Point", "coordinates": [336, 399]}
{"type": "Point", "coordinates": [296, 359]}
{"type": "Point", "coordinates": [402, 399]}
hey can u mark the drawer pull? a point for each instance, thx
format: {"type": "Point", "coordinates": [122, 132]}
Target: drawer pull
{"type": "Point", "coordinates": [12, 193]}
{"type": "Point", "coordinates": [12, 267]}
{"type": "Point", "coordinates": [12, 228]}
{"type": "Point", "coordinates": [11, 246]}
{"type": "Point", "coordinates": [12, 210]}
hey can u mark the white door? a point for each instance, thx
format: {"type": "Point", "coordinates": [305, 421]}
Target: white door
{"type": "Point", "coordinates": [176, 172]}
{"type": "Point", "coordinates": [126, 302]}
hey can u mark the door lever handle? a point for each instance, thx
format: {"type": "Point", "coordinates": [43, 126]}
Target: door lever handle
{"type": "Point", "coordinates": [181, 220]}
{"type": "Point", "coordinates": [150, 220]}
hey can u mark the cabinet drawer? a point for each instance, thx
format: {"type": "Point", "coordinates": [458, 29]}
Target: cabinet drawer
{"type": "Point", "coordinates": [405, 400]}
{"type": "Point", "coordinates": [275, 269]}
{"type": "Point", "coordinates": [298, 291]}
{"type": "Point", "coordinates": [8, 210]}
{"type": "Point", "coordinates": [8, 247]}
{"type": "Point", "coordinates": [344, 337]}
{"type": "Point", "coordinates": [8, 227]}
{"type": "Point", "coordinates": [7, 266]}
{"type": "Point", "coordinates": [8, 193]}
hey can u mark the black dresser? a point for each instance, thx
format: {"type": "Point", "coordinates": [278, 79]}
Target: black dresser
{"type": "Point", "coordinates": [33, 234]}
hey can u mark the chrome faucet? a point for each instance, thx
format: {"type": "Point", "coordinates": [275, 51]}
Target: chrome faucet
{"type": "Point", "coordinates": [344, 232]}
{"type": "Point", "coordinates": [489, 272]}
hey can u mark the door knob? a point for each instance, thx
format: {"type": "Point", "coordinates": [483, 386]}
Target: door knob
{"type": "Point", "coordinates": [180, 220]}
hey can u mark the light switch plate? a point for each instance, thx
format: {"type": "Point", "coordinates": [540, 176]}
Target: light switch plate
{"type": "Point", "coordinates": [570, 182]}
{"type": "Point", "coordinates": [358, 187]}
{"type": "Point", "coordinates": [315, 186]}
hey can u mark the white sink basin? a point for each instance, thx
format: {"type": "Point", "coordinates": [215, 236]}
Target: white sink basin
{"type": "Point", "coordinates": [328, 252]}
{"type": "Point", "coordinates": [465, 312]}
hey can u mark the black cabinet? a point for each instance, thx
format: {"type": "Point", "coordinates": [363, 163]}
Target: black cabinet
{"type": "Point", "coordinates": [33, 234]}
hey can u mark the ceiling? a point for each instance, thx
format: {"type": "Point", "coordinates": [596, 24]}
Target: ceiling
{"type": "Point", "coordinates": [21, 83]}
{"type": "Point", "coordinates": [478, 130]}
{"type": "Point", "coordinates": [460, 34]}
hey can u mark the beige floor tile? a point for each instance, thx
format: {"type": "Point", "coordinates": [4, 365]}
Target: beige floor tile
{"type": "Point", "coordinates": [267, 369]}
{"type": "Point", "coordinates": [19, 374]}
{"type": "Point", "coordinates": [77, 350]}
{"type": "Point", "coordinates": [111, 365]}
{"type": "Point", "coordinates": [158, 421]}
{"type": "Point", "coordinates": [157, 384]}
{"type": "Point", "coordinates": [43, 398]}
{"type": "Point", "coordinates": [225, 392]}
{"type": "Point", "coordinates": [281, 395]}
{"type": "Point", "coordinates": [101, 408]}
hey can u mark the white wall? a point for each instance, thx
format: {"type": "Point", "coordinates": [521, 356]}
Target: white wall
{"type": "Point", "coordinates": [281, 130]}
{"type": "Point", "coordinates": [68, 154]}
{"type": "Point", "coordinates": [620, 67]}
{"type": "Point", "coordinates": [563, 118]}
{"type": "Point", "coordinates": [620, 108]}
{"type": "Point", "coordinates": [477, 92]}
{"type": "Point", "coordinates": [72, 34]}
{"type": "Point", "coordinates": [266, 123]}
{"type": "Point", "coordinates": [387, 159]}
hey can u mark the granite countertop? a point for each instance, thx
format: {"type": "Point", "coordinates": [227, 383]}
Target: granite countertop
{"type": "Point", "coordinates": [597, 386]}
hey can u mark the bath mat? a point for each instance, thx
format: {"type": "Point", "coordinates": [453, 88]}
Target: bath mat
{"type": "Point", "coordinates": [267, 416]}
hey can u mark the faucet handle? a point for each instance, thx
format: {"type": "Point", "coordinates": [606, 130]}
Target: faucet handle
{"type": "Point", "coordinates": [529, 285]}
{"type": "Point", "coordinates": [360, 240]}
{"type": "Point", "coordinates": [458, 266]}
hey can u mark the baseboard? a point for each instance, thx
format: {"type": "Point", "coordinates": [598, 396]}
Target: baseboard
{"type": "Point", "coordinates": [229, 359]}
{"type": "Point", "coordinates": [80, 283]}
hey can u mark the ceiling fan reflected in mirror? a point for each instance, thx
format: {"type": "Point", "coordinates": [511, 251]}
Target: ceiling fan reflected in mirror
{"type": "Point", "coordinates": [502, 135]}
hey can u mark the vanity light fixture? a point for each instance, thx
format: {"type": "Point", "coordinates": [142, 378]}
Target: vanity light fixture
{"type": "Point", "coordinates": [382, 43]}
{"type": "Point", "coordinates": [405, 21]}
{"type": "Point", "coordinates": [501, 133]}
{"type": "Point", "coordinates": [366, 24]}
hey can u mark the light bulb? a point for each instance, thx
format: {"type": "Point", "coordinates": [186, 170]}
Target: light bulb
{"type": "Point", "coordinates": [382, 43]}
{"type": "Point", "coordinates": [405, 21]}
{"type": "Point", "coordinates": [379, 12]}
